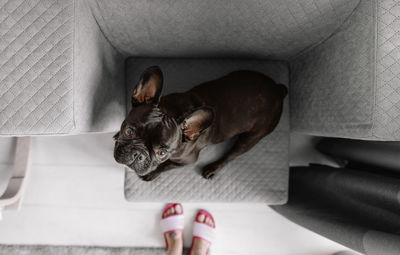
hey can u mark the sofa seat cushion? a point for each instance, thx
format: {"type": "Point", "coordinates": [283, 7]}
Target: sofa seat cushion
{"type": "Point", "coordinates": [36, 47]}
{"type": "Point", "coordinates": [260, 175]}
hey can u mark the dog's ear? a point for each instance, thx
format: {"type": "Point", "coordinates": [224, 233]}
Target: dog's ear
{"type": "Point", "coordinates": [149, 88]}
{"type": "Point", "coordinates": [196, 122]}
{"type": "Point", "coordinates": [116, 136]}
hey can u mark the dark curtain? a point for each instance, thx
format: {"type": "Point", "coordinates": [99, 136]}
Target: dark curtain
{"type": "Point", "coordinates": [357, 205]}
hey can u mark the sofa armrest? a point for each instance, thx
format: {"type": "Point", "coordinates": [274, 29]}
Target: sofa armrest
{"type": "Point", "coordinates": [59, 74]}
{"type": "Point", "coordinates": [332, 90]}
{"type": "Point", "coordinates": [99, 83]}
{"type": "Point", "coordinates": [349, 85]}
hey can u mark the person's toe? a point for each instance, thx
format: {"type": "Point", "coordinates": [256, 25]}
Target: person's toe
{"type": "Point", "coordinates": [174, 238]}
{"type": "Point", "coordinates": [178, 209]}
{"type": "Point", "coordinates": [201, 218]}
{"type": "Point", "coordinates": [208, 221]}
{"type": "Point", "coordinates": [169, 212]}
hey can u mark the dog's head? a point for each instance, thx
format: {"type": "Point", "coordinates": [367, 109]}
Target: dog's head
{"type": "Point", "coordinates": [148, 137]}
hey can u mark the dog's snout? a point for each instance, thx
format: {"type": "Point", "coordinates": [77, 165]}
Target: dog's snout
{"type": "Point", "coordinates": [138, 156]}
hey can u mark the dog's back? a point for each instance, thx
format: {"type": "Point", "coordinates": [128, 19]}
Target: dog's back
{"type": "Point", "coordinates": [243, 101]}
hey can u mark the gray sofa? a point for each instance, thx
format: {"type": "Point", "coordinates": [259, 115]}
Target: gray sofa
{"type": "Point", "coordinates": [63, 62]}
{"type": "Point", "coordinates": [68, 67]}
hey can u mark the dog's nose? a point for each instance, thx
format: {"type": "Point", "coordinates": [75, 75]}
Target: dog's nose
{"type": "Point", "coordinates": [138, 156]}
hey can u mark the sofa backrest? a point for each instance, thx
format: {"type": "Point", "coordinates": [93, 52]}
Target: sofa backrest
{"type": "Point", "coordinates": [234, 28]}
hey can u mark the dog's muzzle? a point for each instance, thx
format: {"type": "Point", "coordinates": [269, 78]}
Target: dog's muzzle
{"type": "Point", "coordinates": [135, 159]}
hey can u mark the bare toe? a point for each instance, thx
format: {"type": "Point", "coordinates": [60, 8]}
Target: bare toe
{"type": "Point", "coordinates": [201, 218]}
{"type": "Point", "coordinates": [200, 246]}
{"type": "Point", "coordinates": [178, 209]}
{"type": "Point", "coordinates": [174, 238]}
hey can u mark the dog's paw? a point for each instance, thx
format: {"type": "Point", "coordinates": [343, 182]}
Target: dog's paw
{"type": "Point", "coordinates": [209, 171]}
{"type": "Point", "coordinates": [149, 177]}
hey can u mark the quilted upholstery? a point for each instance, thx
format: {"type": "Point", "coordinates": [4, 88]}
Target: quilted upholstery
{"type": "Point", "coordinates": [260, 175]}
{"type": "Point", "coordinates": [63, 61]}
{"type": "Point", "coordinates": [234, 28]}
{"type": "Point", "coordinates": [332, 90]}
{"type": "Point", "coordinates": [387, 111]}
{"type": "Point", "coordinates": [349, 86]}
{"type": "Point", "coordinates": [36, 40]}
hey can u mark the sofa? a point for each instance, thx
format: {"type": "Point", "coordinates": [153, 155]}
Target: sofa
{"type": "Point", "coordinates": [69, 67]}
{"type": "Point", "coordinates": [63, 62]}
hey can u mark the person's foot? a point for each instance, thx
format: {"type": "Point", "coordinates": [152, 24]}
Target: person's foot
{"type": "Point", "coordinates": [174, 238]}
{"type": "Point", "coordinates": [200, 246]}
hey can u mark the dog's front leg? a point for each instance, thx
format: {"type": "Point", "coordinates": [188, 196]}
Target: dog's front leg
{"type": "Point", "coordinates": [244, 143]}
{"type": "Point", "coordinates": [167, 165]}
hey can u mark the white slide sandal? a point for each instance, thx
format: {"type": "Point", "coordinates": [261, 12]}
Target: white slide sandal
{"type": "Point", "coordinates": [173, 222]}
{"type": "Point", "coordinates": [202, 230]}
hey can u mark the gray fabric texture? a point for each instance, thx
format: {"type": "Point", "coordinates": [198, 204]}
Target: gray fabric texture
{"type": "Point", "coordinates": [59, 74]}
{"type": "Point", "coordinates": [36, 40]}
{"type": "Point", "coordinates": [62, 62]}
{"type": "Point", "coordinates": [332, 85]}
{"type": "Point", "coordinates": [349, 86]}
{"type": "Point", "coordinates": [260, 175]}
{"type": "Point", "coordinates": [99, 87]}
{"type": "Point", "coordinates": [387, 98]}
{"type": "Point", "coordinates": [77, 250]}
{"type": "Point", "coordinates": [188, 28]}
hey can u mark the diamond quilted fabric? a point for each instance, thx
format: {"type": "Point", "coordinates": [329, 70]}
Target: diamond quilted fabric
{"type": "Point", "coordinates": [260, 175]}
{"type": "Point", "coordinates": [349, 86]}
{"type": "Point", "coordinates": [270, 29]}
{"type": "Point", "coordinates": [332, 92]}
{"type": "Point", "coordinates": [387, 98]}
{"type": "Point", "coordinates": [36, 40]}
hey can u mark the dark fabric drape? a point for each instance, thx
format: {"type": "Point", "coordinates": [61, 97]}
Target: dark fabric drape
{"type": "Point", "coordinates": [373, 155]}
{"type": "Point", "coordinates": [359, 209]}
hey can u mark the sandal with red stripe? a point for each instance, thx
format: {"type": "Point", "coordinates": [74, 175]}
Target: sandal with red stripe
{"type": "Point", "coordinates": [172, 223]}
{"type": "Point", "coordinates": [203, 231]}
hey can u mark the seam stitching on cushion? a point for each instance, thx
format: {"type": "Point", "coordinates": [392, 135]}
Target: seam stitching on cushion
{"type": "Point", "coordinates": [337, 30]}
{"type": "Point", "coordinates": [74, 6]}
{"type": "Point", "coordinates": [38, 76]}
{"type": "Point", "coordinates": [36, 48]}
{"type": "Point", "coordinates": [374, 71]}
{"type": "Point", "coordinates": [41, 103]}
{"type": "Point", "coordinates": [39, 31]}
{"type": "Point", "coordinates": [23, 16]}
{"type": "Point", "coordinates": [10, 118]}
{"type": "Point", "coordinates": [101, 29]}
{"type": "Point", "coordinates": [43, 56]}
{"type": "Point", "coordinates": [11, 13]}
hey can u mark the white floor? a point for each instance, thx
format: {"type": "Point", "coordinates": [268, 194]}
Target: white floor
{"type": "Point", "coordinates": [75, 197]}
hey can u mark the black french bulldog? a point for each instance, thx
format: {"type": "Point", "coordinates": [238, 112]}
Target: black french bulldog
{"type": "Point", "coordinates": [160, 134]}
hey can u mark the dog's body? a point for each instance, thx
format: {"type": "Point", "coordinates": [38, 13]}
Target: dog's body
{"type": "Point", "coordinates": [243, 103]}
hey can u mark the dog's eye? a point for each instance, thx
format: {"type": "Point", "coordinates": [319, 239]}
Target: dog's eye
{"type": "Point", "coordinates": [129, 132]}
{"type": "Point", "coordinates": [162, 153]}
